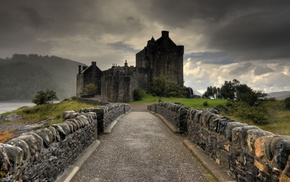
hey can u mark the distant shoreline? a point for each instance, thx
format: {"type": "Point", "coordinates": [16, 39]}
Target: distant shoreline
{"type": "Point", "coordinates": [13, 105]}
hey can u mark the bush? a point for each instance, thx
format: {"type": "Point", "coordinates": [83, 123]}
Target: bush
{"type": "Point", "coordinates": [138, 94]}
{"type": "Point", "coordinates": [205, 103]}
{"type": "Point", "coordinates": [287, 103]}
{"type": "Point", "coordinates": [221, 108]}
{"type": "Point", "coordinates": [44, 97]}
{"type": "Point", "coordinates": [258, 114]}
{"type": "Point", "coordinates": [90, 89]}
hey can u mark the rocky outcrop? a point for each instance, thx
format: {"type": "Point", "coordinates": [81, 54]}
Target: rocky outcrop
{"type": "Point", "coordinates": [247, 152]}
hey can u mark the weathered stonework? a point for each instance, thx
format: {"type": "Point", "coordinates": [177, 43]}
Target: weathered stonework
{"type": "Point", "coordinates": [43, 154]}
{"type": "Point", "coordinates": [247, 152]}
{"type": "Point", "coordinates": [160, 58]}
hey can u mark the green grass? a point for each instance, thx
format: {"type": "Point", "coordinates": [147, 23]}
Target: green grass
{"type": "Point", "coordinates": [194, 103]}
{"type": "Point", "coordinates": [279, 118]}
{"type": "Point", "coordinates": [279, 121]}
{"type": "Point", "coordinates": [46, 111]}
{"type": "Point", "coordinates": [41, 112]}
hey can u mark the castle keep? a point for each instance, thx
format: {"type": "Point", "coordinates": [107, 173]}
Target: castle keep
{"type": "Point", "coordinates": [159, 58]}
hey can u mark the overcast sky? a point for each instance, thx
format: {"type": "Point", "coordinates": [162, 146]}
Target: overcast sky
{"type": "Point", "coordinates": [224, 40]}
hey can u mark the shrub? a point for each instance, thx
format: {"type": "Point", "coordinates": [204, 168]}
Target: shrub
{"type": "Point", "coordinates": [138, 94]}
{"type": "Point", "coordinates": [205, 103]}
{"type": "Point", "coordinates": [287, 103]}
{"type": "Point", "coordinates": [221, 108]}
{"type": "Point", "coordinates": [90, 89]}
{"type": "Point", "coordinates": [258, 114]}
{"type": "Point", "coordinates": [44, 97]}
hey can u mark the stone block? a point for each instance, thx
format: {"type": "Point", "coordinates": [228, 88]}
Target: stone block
{"type": "Point", "coordinates": [60, 130]}
{"type": "Point", "coordinates": [260, 147]}
{"type": "Point", "coordinates": [243, 134]}
{"type": "Point", "coordinates": [4, 162]}
{"type": "Point", "coordinates": [236, 139]}
{"type": "Point", "coordinates": [14, 154]}
{"type": "Point", "coordinates": [222, 125]}
{"type": "Point", "coordinates": [230, 126]}
{"type": "Point", "coordinates": [261, 167]}
{"type": "Point", "coordinates": [21, 144]}
{"type": "Point", "coordinates": [31, 142]}
{"type": "Point", "coordinates": [281, 150]}
{"type": "Point", "coordinates": [197, 116]}
{"type": "Point", "coordinates": [224, 159]}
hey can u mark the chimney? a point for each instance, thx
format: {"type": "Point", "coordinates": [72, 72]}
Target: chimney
{"type": "Point", "coordinates": [94, 63]}
{"type": "Point", "coordinates": [80, 69]}
{"type": "Point", "coordinates": [165, 33]}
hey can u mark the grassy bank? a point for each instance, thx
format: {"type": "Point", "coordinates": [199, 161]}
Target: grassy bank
{"type": "Point", "coordinates": [279, 116]}
{"type": "Point", "coordinates": [46, 111]}
{"type": "Point", "coordinates": [41, 112]}
{"type": "Point", "coordinates": [194, 103]}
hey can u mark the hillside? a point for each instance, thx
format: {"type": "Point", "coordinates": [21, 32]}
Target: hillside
{"type": "Point", "coordinates": [280, 95]}
{"type": "Point", "coordinates": [23, 75]}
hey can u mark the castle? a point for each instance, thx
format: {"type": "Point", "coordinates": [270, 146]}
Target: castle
{"type": "Point", "coordinates": [160, 58]}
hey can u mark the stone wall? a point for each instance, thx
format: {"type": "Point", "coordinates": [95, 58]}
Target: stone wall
{"type": "Point", "coordinates": [174, 113]}
{"type": "Point", "coordinates": [247, 152]}
{"type": "Point", "coordinates": [92, 102]}
{"type": "Point", "coordinates": [43, 154]}
{"type": "Point", "coordinates": [108, 113]}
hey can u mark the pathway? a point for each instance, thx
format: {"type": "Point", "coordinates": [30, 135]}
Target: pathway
{"type": "Point", "coordinates": [140, 148]}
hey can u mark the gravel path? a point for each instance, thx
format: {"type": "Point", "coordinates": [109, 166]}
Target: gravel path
{"type": "Point", "coordinates": [140, 148]}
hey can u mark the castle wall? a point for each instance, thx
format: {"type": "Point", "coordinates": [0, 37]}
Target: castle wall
{"type": "Point", "coordinates": [117, 86]}
{"type": "Point", "coordinates": [89, 75]}
{"type": "Point", "coordinates": [80, 84]}
{"type": "Point", "coordinates": [162, 58]}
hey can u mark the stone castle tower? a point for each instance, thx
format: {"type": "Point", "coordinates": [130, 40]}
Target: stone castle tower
{"type": "Point", "coordinates": [160, 58]}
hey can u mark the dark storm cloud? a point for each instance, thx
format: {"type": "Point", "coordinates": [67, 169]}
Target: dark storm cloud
{"type": "Point", "coordinates": [123, 47]}
{"type": "Point", "coordinates": [218, 58]}
{"type": "Point", "coordinates": [262, 70]}
{"type": "Point", "coordinates": [239, 30]}
{"type": "Point", "coordinates": [243, 69]}
{"type": "Point", "coordinates": [225, 39]}
{"type": "Point", "coordinates": [245, 29]}
{"type": "Point", "coordinates": [263, 34]}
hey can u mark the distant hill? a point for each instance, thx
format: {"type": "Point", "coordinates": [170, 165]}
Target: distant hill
{"type": "Point", "coordinates": [21, 76]}
{"type": "Point", "coordinates": [280, 95]}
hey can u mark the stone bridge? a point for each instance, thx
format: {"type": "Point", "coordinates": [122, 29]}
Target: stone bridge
{"type": "Point", "coordinates": [145, 146]}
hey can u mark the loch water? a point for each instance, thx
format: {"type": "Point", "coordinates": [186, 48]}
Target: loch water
{"type": "Point", "coordinates": [10, 106]}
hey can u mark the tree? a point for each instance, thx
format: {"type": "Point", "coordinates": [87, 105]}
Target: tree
{"type": "Point", "coordinates": [228, 90]}
{"type": "Point", "coordinates": [248, 95]}
{"type": "Point", "coordinates": [44, 97]}
{"type": "Point", "coordinates": [138, 94]}
{"type": "Point", "coordinates": [158, 86]}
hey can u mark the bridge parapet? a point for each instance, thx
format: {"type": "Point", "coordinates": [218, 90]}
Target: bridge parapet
{"type": "Point", "coordinates": [175, 113]}
{"type": "Point", "coordinates": [108, 113]}
{"type": "Point", "coordinates": [247, 152]}
{"type": "Point", "coordinates": [43, 153]}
